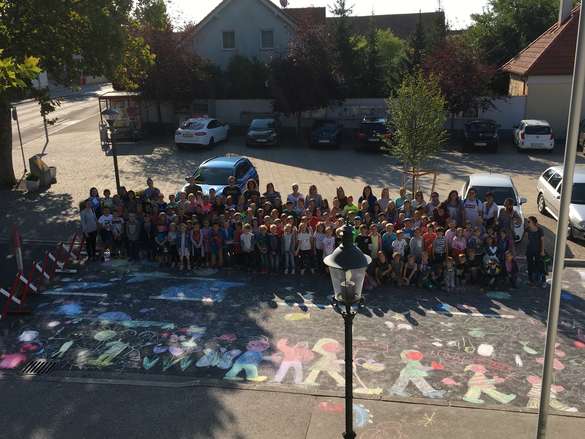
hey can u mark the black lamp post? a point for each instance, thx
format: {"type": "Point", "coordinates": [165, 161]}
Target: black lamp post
{"type": "Point", "coordinates": [110, 115]}
{"type": "Point", "coordinates": [347, 267]}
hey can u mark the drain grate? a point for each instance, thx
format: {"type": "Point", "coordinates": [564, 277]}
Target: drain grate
{"type": "Point", "coordinates": [38, 367]}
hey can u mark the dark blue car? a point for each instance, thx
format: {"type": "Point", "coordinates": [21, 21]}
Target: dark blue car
{"type": "Point", "coordinates": [214, 173]}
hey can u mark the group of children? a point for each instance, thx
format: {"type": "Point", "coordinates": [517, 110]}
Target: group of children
{"type": "Point", "coordinates": [411, 242]}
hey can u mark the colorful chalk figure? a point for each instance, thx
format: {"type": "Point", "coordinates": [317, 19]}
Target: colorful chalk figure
{"type": "Point", "coordinates": [249, 361]}
{"type": "Point", "coordinates": [534, 396]}
{"type": "Point", "coordinates": [328, 348]}
{"type": "Point", "coordinates": [414, 372]}
{"type": "Point", "coordinates": [215, 355]}
{"type": "Point", "coordinates": [292, 357]}
{"type": "Point", "coordinates": [114, 348]}
{"type": "Point", "coordinates": [479, 383]}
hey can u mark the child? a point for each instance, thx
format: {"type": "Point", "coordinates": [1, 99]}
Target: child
{"type": "Point", "coordinates": [216, 246]}
{"type": "Point", "coordinates": [416, 245]}
{"type": "Point", "coordinates": [105, 228]}
{"type": "Point", "coordinates": [362, 241]}
{"type": "Point", "coordinates": [262, 247]}
{"type": "Point", "coordinates": [409, 271]}
{"type": "Point", "coordinates": [492, 273]}
{"type": "Point", "coordinates": [450, 274]}
{"type": "Point", "coordinates": [472, 266]}
{"type": "Point", "coordinates": [319, 236]}
{"type": "Point", "coordinates": [304, 248]}
{"type": "Point", "coordinates": [451, 233]}
{"type": "Point", "coordinates": [148, 235]}
{"type": "Point", "coordinates": [439, 247]}
{"type": "Point", "coordinates": [460, 270]}
{"type": "Point", "coordinates": [172, 245]}
{"type": "Point", "coordinates": [183, 246]}
{"type": "Point", "coordinates": [510, 269]}
{"type": "Point", "coordinates": [132, 236]}
{"type": "Point", "coordinates": [490, 251]}
{"type": "Point", "coordinates": [424, 271]}
{"type": "Point", "coordinates": [117, 233]}
{"type": "Point", "coordinates": [458, 243]}
{"type": "Point", "coordinates": [382, 269]}
{"type": "Point", "coordinates": [397, 266]}
{"type": "Point", "coordinates": [288, 249]}
{"type": "Point", "coordinates": [162, 249]}
{"type": "Point", "coordinates": [227, 235]}
{"type": "Point", "coordinates": [198, 245]}
{"type": "Point", "coordinates": [503, 244]}
{"type": "Point", "coordinates": [236, 249]}
{"type": "Point", "coordinates": [274, 249]}
{"type": "Point", "coordinates": [205, 232]}
{"type": "Point", "coordinates": [387, 239]}
{"type": "Point", "coordinates": [247, 246]}
{"type": "Point", "coordinates": [400, 244]}
{"type": "Point", "coordinates": [375, 241]}
{"type": "Point", "coordinates": [107, 201]}
{"type": "Point", "coordinates": [438, 276]}
{"type": "Point", "coordinates": [428, 238]}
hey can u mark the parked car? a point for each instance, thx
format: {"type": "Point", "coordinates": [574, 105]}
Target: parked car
{"type": "Point", "coordinates": [549, 198]}
{"type": "Point", "coordinates": [201, 131]}
{"type": "Point", "coordinates": [326, 133]}
{"type": "Point", "coordinates": [265, 131]}
{"type": "Point", "coordinates": [373, 131]}
{"type": "Point", "coordinates": [581, 142]}
{"type": "Point", "coordinates": [502, 187]}
{"type": "Point", "coordinates": [534, 134]}
{"type": "Point", "coordinates": [482, 133]}
{"type": "Point", "coordinates": [214, 173]}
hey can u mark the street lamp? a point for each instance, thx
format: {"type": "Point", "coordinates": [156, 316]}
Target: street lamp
{"type": "Point", "coordinates": [110, 115]}
{"type": "Point", "coordinates": [347, 267]}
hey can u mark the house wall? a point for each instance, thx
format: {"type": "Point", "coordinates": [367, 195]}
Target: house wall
{"type": "Point", "coordinates": [247, 18]}
{"type": "Point", "coordinates": [517, 86]}
{"type": "Point", "coordinates": [548, 99]}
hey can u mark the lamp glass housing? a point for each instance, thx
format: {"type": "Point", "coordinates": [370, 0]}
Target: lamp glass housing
{"type": "Point", "coordinates": [348, 284]}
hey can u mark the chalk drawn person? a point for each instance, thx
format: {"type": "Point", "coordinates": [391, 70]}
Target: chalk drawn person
{"type": "Point", "coordinates": [328, 363]}
{"type": "Point", "coordinates": [114, 348]}
{"type": "Point", "coordinates": [479, 383]}
{"type": "Point", "coordinates": [292, 357]}
{"type": "Point", "coordinates": [534, 395]}
{"type": "Point", "coordinates": [414, 372]}
{"type": "Point", "coordinates": [249, 361]}
{"type": "Point", "coordinates": [218, 356]}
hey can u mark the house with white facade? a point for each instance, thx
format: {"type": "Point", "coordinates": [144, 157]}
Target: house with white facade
{"type": "Point", "coordinates": [251, 28]}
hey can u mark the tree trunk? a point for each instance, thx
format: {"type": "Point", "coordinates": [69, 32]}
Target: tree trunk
{"type": "Point", "coordinates": [7, 178]}
{"type": "Point", "coordinates": [413, 181]}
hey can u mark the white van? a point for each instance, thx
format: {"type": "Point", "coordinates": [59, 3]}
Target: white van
{"type": "Point", "coordinates": [534, 134]}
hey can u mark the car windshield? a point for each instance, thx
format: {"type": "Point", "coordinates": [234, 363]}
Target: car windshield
{"type": "Point", "coordinates": [369, 126]}
{"type": "Point", "coordinates": [578, 193]}
{"type": "Point", "coordinates": [500, 194]}
{"type": "Point", "coordinates": [262, 124]}
{"type": "Point", "coordinates": [325, 124]}
{"type": "Point", "coordinates": [214, 176]}
{"type": "Point", "coordinates": [481, 127]}
{"type": "Point", "coordinates": [193, 125]}
{"type": "Point", "coordinates": [537, 130]}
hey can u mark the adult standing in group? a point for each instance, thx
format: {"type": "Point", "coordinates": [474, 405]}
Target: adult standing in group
{"type": "Point", "coordinates": [271, 194]}
{"type": "Point", "coordinates": [89, 228]}
{"type": "Point", "coordinates": [419, 201]}
{"type": "Point", "coordinates": [368, 196]}
{"type": "Point", "coordinates": [535, 252]}
{"type": "Point", "coordinates": [454, 207]}
{"type": "Point", "coordinates": [341, 197]}
{"type": "Point", "coordinates": [508, 218]}
{"type": "Point", "coordinates": [192, 187]}
{"type": "Point", "coordinates": [151, 193]}
{"type": "Point", "coordinates": [472, 209]}
{"type": "Point", "coordinates": [490, 210]}
{"type": "Point", "coordinates": [295, 196]}
{"type": "Point", "coordinates": [314, 196]}
{"type": "Point", "coordinates": [252, 195]}
{"type": "Point", "coordinates": [232, 189]}
{"type": "Point", "coordinates": [432, 204]}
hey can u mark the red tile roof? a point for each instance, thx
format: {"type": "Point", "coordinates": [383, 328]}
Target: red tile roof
{"type": "Point", "coordinates": [553, 53]}
{"type": "Point", "coordinates": [311, 15]}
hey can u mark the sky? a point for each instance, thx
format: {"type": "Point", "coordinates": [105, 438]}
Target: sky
{"type": "Point", "coordinates": [458, 11]}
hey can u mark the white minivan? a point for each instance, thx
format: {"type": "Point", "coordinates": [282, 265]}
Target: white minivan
{"type": "Point", "coordinates": [549, 198]}
{"type": "Point", "coordinates": [534, 134]}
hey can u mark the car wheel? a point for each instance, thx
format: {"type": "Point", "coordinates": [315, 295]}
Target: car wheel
{"type": "Point", "coordinates": [541, 204]}
{"type": "Point", "coordinates": [211, 143]}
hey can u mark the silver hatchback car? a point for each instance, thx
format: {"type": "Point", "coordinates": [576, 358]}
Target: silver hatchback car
{"type": "Point", "coordinates": [549, 197]}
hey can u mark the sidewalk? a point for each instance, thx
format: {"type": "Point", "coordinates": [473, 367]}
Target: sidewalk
{"type": "Point", "coordinates": [43, 409]}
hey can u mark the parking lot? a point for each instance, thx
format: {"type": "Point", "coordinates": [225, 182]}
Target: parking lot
{"type": "Point", "coordinates": [81, 164]}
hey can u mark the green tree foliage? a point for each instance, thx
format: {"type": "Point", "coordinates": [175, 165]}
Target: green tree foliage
{"type": "Point", "coordinates": [347, 63]}
{"type": "Point", "coordinates": [68, 37]}
{"type": "Point", "coordinates": [418, 117]}
{"type": "Point", "coordinates": [304, 79]}
{"type": "Point", "coordinates": [152, 14]}
{"type": "Point", "coordinates": [464, 79]}
{"type": "Point", "coordinates": [247, 78]}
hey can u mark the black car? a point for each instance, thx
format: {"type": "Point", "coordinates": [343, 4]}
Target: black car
{"type": "Point", "coordinates": [326, 133]}
{"type": "Point", "coordinates": [263, 131]}
{"type": "Point", "coordinates": [373, 132]}
{"type": "Point", "coordinates": [481, 133]}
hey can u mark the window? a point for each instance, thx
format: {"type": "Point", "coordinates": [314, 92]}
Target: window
{"type": "Point", "coordinates": [548, 174]}
{"type": "Point", "coordinates": [537, 130]}
{"type": "Point", "coordinates": [555, 180]}
{"type": "Point", "coordinates": [242, 170]}
{"type": "Point", "coordinates": [267, 39]}
{"type": "Point", "coordinates": [229, 40]}
{"type": "Point", "coordinates": [213, 124]}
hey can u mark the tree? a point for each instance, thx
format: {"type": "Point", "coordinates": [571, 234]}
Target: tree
{"type": "Point", "coordinates": [247, 78]}
{"type": "Point", "coordinates": [507, 27]}
{"type": "Point", "coordinates": [68, 37]}
{"type": "Point", "coordinates": [418, 117]}
{"type": "Point", "coordinates": [463, 78]}
{"type": "Point", "coordinates": [347, 66]}
{"type": "Point", "coordinates": [418, 47]}
{"type": "Point", "coordinates": [304, 79]}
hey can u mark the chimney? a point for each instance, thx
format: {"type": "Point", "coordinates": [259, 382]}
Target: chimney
{"type": "Point", "coordinates": [565, 10]}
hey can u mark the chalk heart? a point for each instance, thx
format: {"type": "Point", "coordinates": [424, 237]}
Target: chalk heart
{"type": "Point", "coordinates": [485, 350]}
